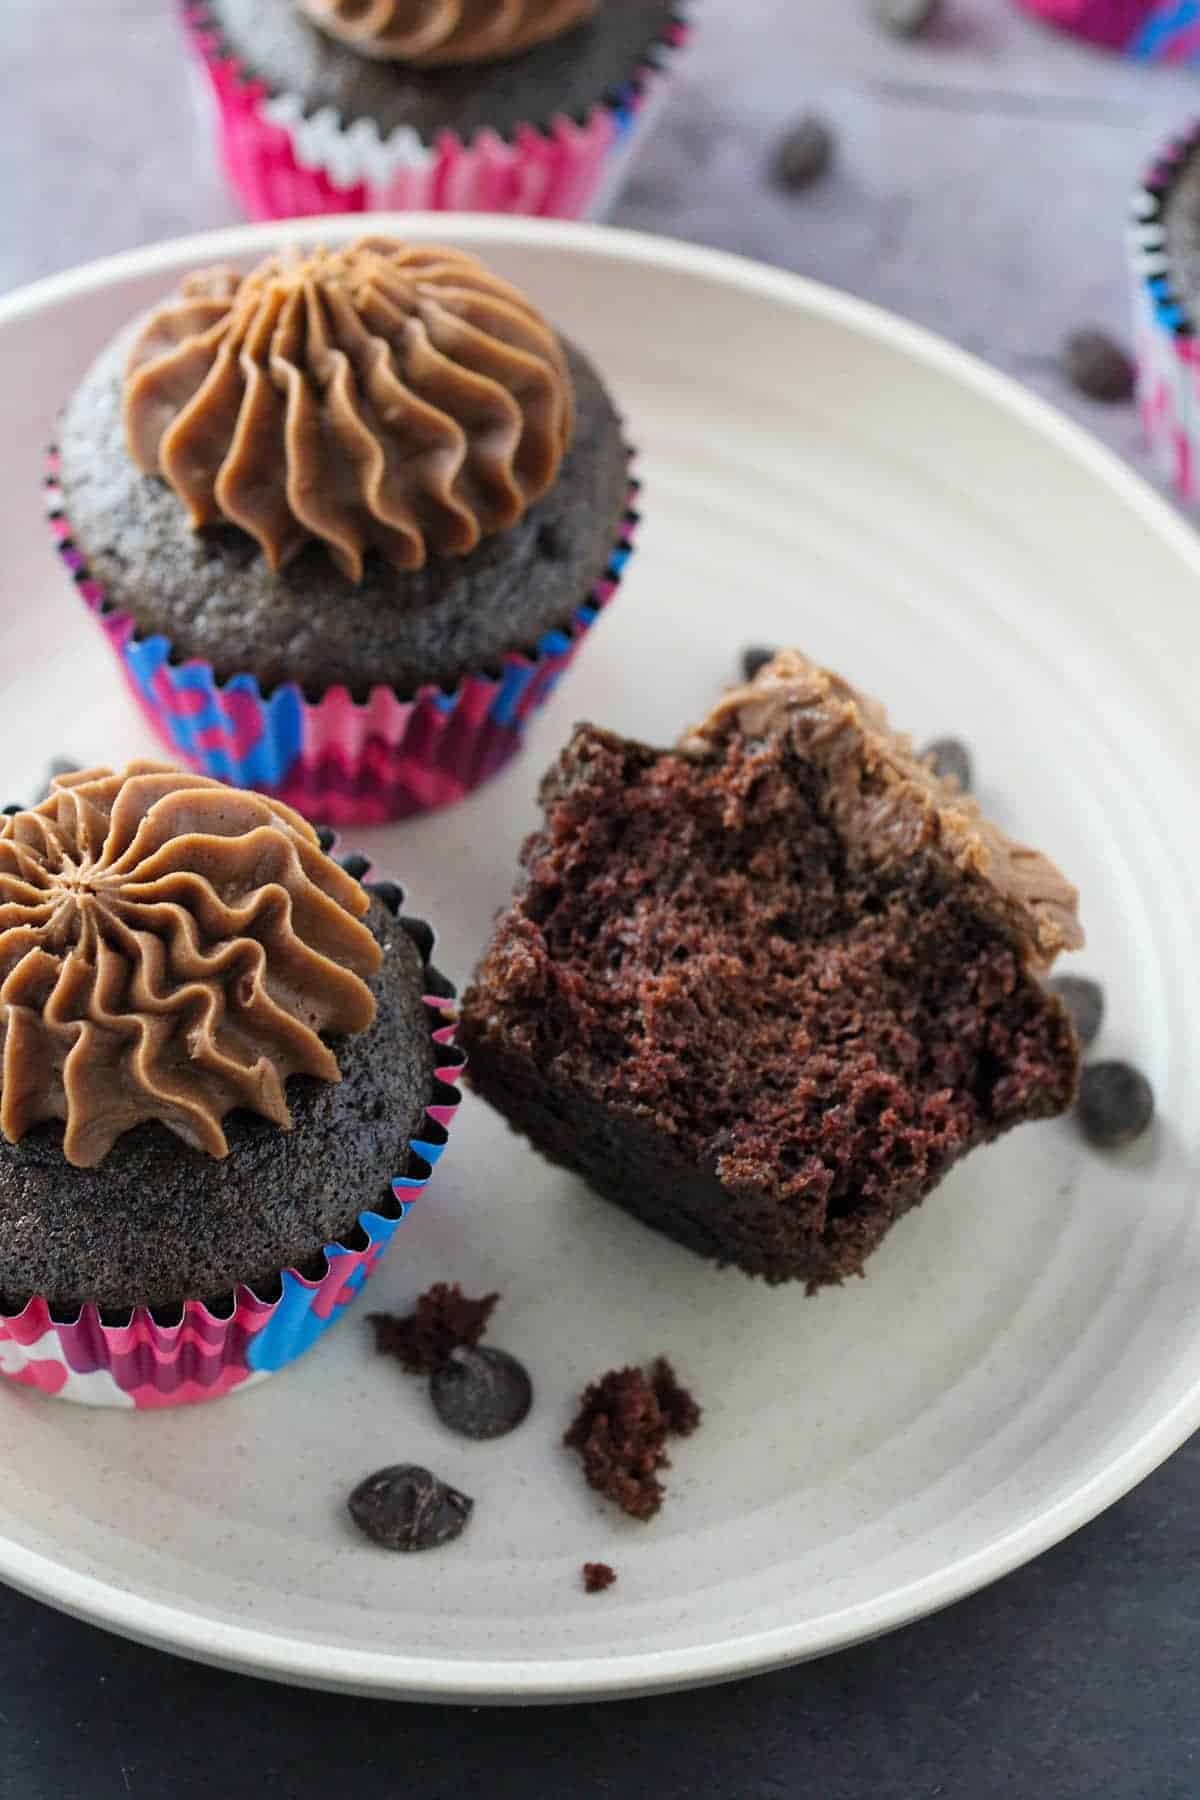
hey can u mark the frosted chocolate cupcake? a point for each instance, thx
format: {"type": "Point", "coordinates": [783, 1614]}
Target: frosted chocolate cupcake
{"type": "Point", "coordinates": [218, 1083]}
{"type": "Point", "coordinates": [345, 520]}
{"type": "Point", "coordinates": [521, 106]}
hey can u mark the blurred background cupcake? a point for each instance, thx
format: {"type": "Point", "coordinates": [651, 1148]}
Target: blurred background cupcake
{"type": "Point", "coordinates": [345, 521]}
{"type": "Point", "coordinates": [509, 106]}
{"type": "Point", "coordinates": [1165, 253]}
{"type": "Point", "coordinates": [1149, 30]}
{"type": "Point", "coordinates": [227, 1075]}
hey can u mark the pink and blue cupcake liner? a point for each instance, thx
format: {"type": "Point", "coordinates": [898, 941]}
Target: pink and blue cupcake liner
{"type": "Point", "coordinates": [1168, 356]}
{"type": "Point", "coordinates": [1153, 31]}
{"type": "Point", "coordinates": [152, 1358]}
{"type": "Point", "coordinates": [284, 161]}
{"type": "Point", "coordinates": [334, 758]}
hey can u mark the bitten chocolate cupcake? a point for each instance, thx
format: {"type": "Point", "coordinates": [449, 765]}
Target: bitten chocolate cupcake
{"type": "Point", "coordinates": [221, 1085]}
{"type": "Point", "coordinates": [764, 990]}
{"type": "Point", "coordinates": [514, 106]}
{"type": "Point", "coordinates": [344, 520]}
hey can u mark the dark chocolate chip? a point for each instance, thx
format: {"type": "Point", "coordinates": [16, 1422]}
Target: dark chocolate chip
{"type": "Point", "coordinates": [549, 543]}
{"type": "Point", "coordinates": [58, 765]}
{"type": "Point", "coordinates": [407, 1508]}
{"type": "Point", "coordinates": [326, 838]}
{"type": "Point", "coordinates": [803, 154]}
{"type": "Point", "coordinates": [355, 865]}
{"type": "Point", "coordinates": [1098, 366]}
{"type": "Point", "coordinates": [905, 18]}
{"type": "Point", "coordinates": [387, 891]}
{"type": "Point", "coordinates": [754, 658]}
{"type": "Point", "coordinates": [482, 1393]}
{"type": "Point", "coordinates": [1116, 1104]}
{"type": "Point", "coordinates": [1084, 1000]}
{"type": "Point", "coordinates": [951, 760]}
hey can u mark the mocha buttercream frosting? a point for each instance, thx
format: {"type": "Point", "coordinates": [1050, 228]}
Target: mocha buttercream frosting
{"type": "Point", "coordinates": [431, 33]}
{"type": "Point", "coordinates": [382, 396]}
{"type": "Point", "coordinates": [170, 949]}
{"type": "Point", "coordinates": [887, 802]}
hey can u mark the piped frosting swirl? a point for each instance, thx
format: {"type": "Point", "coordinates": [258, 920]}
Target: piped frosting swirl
{"type": "Point", "coordinates": [429, 33]}
{"type": "Point", "coordinates": [170, 949]}
{"type": "Point", "coordinates": [384, 396]}
{"type": "Point", "coordinates": [888, 804]}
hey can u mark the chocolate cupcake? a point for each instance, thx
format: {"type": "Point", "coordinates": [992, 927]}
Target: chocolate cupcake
{"type": "Point", "coordinates": [1156, 31]}
{"type": "Point", "coordinates": [345, 521]}
{"type": "Point", "coordinates": [515, 106]}
{"type": "Point", "coordinates": [1164, 247]}
{"type": "Point", "coordinates": [764, 990]}
{"type": "Point", "coordinates": [221, 1084]}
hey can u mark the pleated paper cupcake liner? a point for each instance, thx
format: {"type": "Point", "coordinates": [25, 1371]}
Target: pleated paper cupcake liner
{"type": "Point", "coordinates": [1164, 329]}
{"type": "Point", "coordinates": [334, 758]}
{"type": "Point", "coordinates": [156, 1357]}
{"type": "Point", "coordinates": [286, 162]}
{"type": "Point", "coordinates": [1159, 31]}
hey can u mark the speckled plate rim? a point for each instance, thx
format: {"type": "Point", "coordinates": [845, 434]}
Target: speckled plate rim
{"type": "Point", "coordinates": [505, 1681]}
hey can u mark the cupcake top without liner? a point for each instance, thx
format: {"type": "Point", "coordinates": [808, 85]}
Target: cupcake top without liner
{"type": "Point", "coordinates": [381, 396]}
{"type": "Point", "coordinates": [171, 950]}
{"type": "Point", "coordinates": [431, 33]}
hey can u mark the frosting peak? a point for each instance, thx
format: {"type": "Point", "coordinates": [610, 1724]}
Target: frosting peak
{"type": "Point", "coordinates": [888, 803]}
{"type": "Point", "coordinates": [170, 949]}
{"type": "Point", "coordinates": [379, 396]}
{"type": "Point", "coordinates": [432, 32]}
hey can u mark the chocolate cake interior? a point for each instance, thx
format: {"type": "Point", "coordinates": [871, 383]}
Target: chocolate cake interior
{"type": "Point", "coordinates": [739, 1021]}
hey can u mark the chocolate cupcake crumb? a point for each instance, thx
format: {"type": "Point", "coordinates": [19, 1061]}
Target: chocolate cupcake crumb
{"type": "Point", "coordinates": [621, 1430]}
{"type": "Point", "coordinates": [445, 1319]}
{"type": "Point", "coordinates": [597, 1577]}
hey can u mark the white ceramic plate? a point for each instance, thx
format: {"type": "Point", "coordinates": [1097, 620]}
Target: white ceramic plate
{"type": "Point", "coordinates": [1025, 1346]}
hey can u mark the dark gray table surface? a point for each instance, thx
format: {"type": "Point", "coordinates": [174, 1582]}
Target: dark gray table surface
{"type": "Point", "coordinates": [980, 187]}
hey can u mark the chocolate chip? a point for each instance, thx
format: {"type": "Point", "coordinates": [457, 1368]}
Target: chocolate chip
{"type": "Point", "coordinates": [1084, 1000]}
{"type": "Point", "coordinates": [597, 1577]}
{"type": "Point", "coordinates": [326, 838]}
{"type": "Point", "coordinates": [754, 658]}
{"type": "Point", "coordinates": [803, 154]}
{"type": "Point", "coordinates": [549, 543]}
{"type": "Point", "coordinates": [1098, 366]}
{"type": "Point", "coordinates": [1116, 1104]}
{"type": "Point", "coordinates": [407, 1508]}
{"type": "Point", "coordinates": [11, 811]}
{"type": "Point", "coordinates": [58, 765]}
{"type": "Point", "coordinates": [905, 18]}
{"type": "Point", "coordinates": [951, 760]}
{"type": "Point", "coordinates": [481, 1393]}
{"type": "Point", "coordinates": [355, 865]}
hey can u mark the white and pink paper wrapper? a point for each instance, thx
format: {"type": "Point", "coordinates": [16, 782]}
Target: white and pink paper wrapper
{"type": "Point", "coordinates": [149, 1359]}
{"type": "Point", "coordinates": [285, 162]}
{"type": "Point", "coordinates": [1168, 354]}
{"type": "Point", "coordinates": [338, 760]}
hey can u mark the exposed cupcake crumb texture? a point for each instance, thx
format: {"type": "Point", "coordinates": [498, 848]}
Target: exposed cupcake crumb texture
{"type": "Point", "coordinates": [621, 1430]}
{"type": "Point", "coordinates": [445, 1319]}
{"type": "Point", "coordinates": [598, 1576]}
